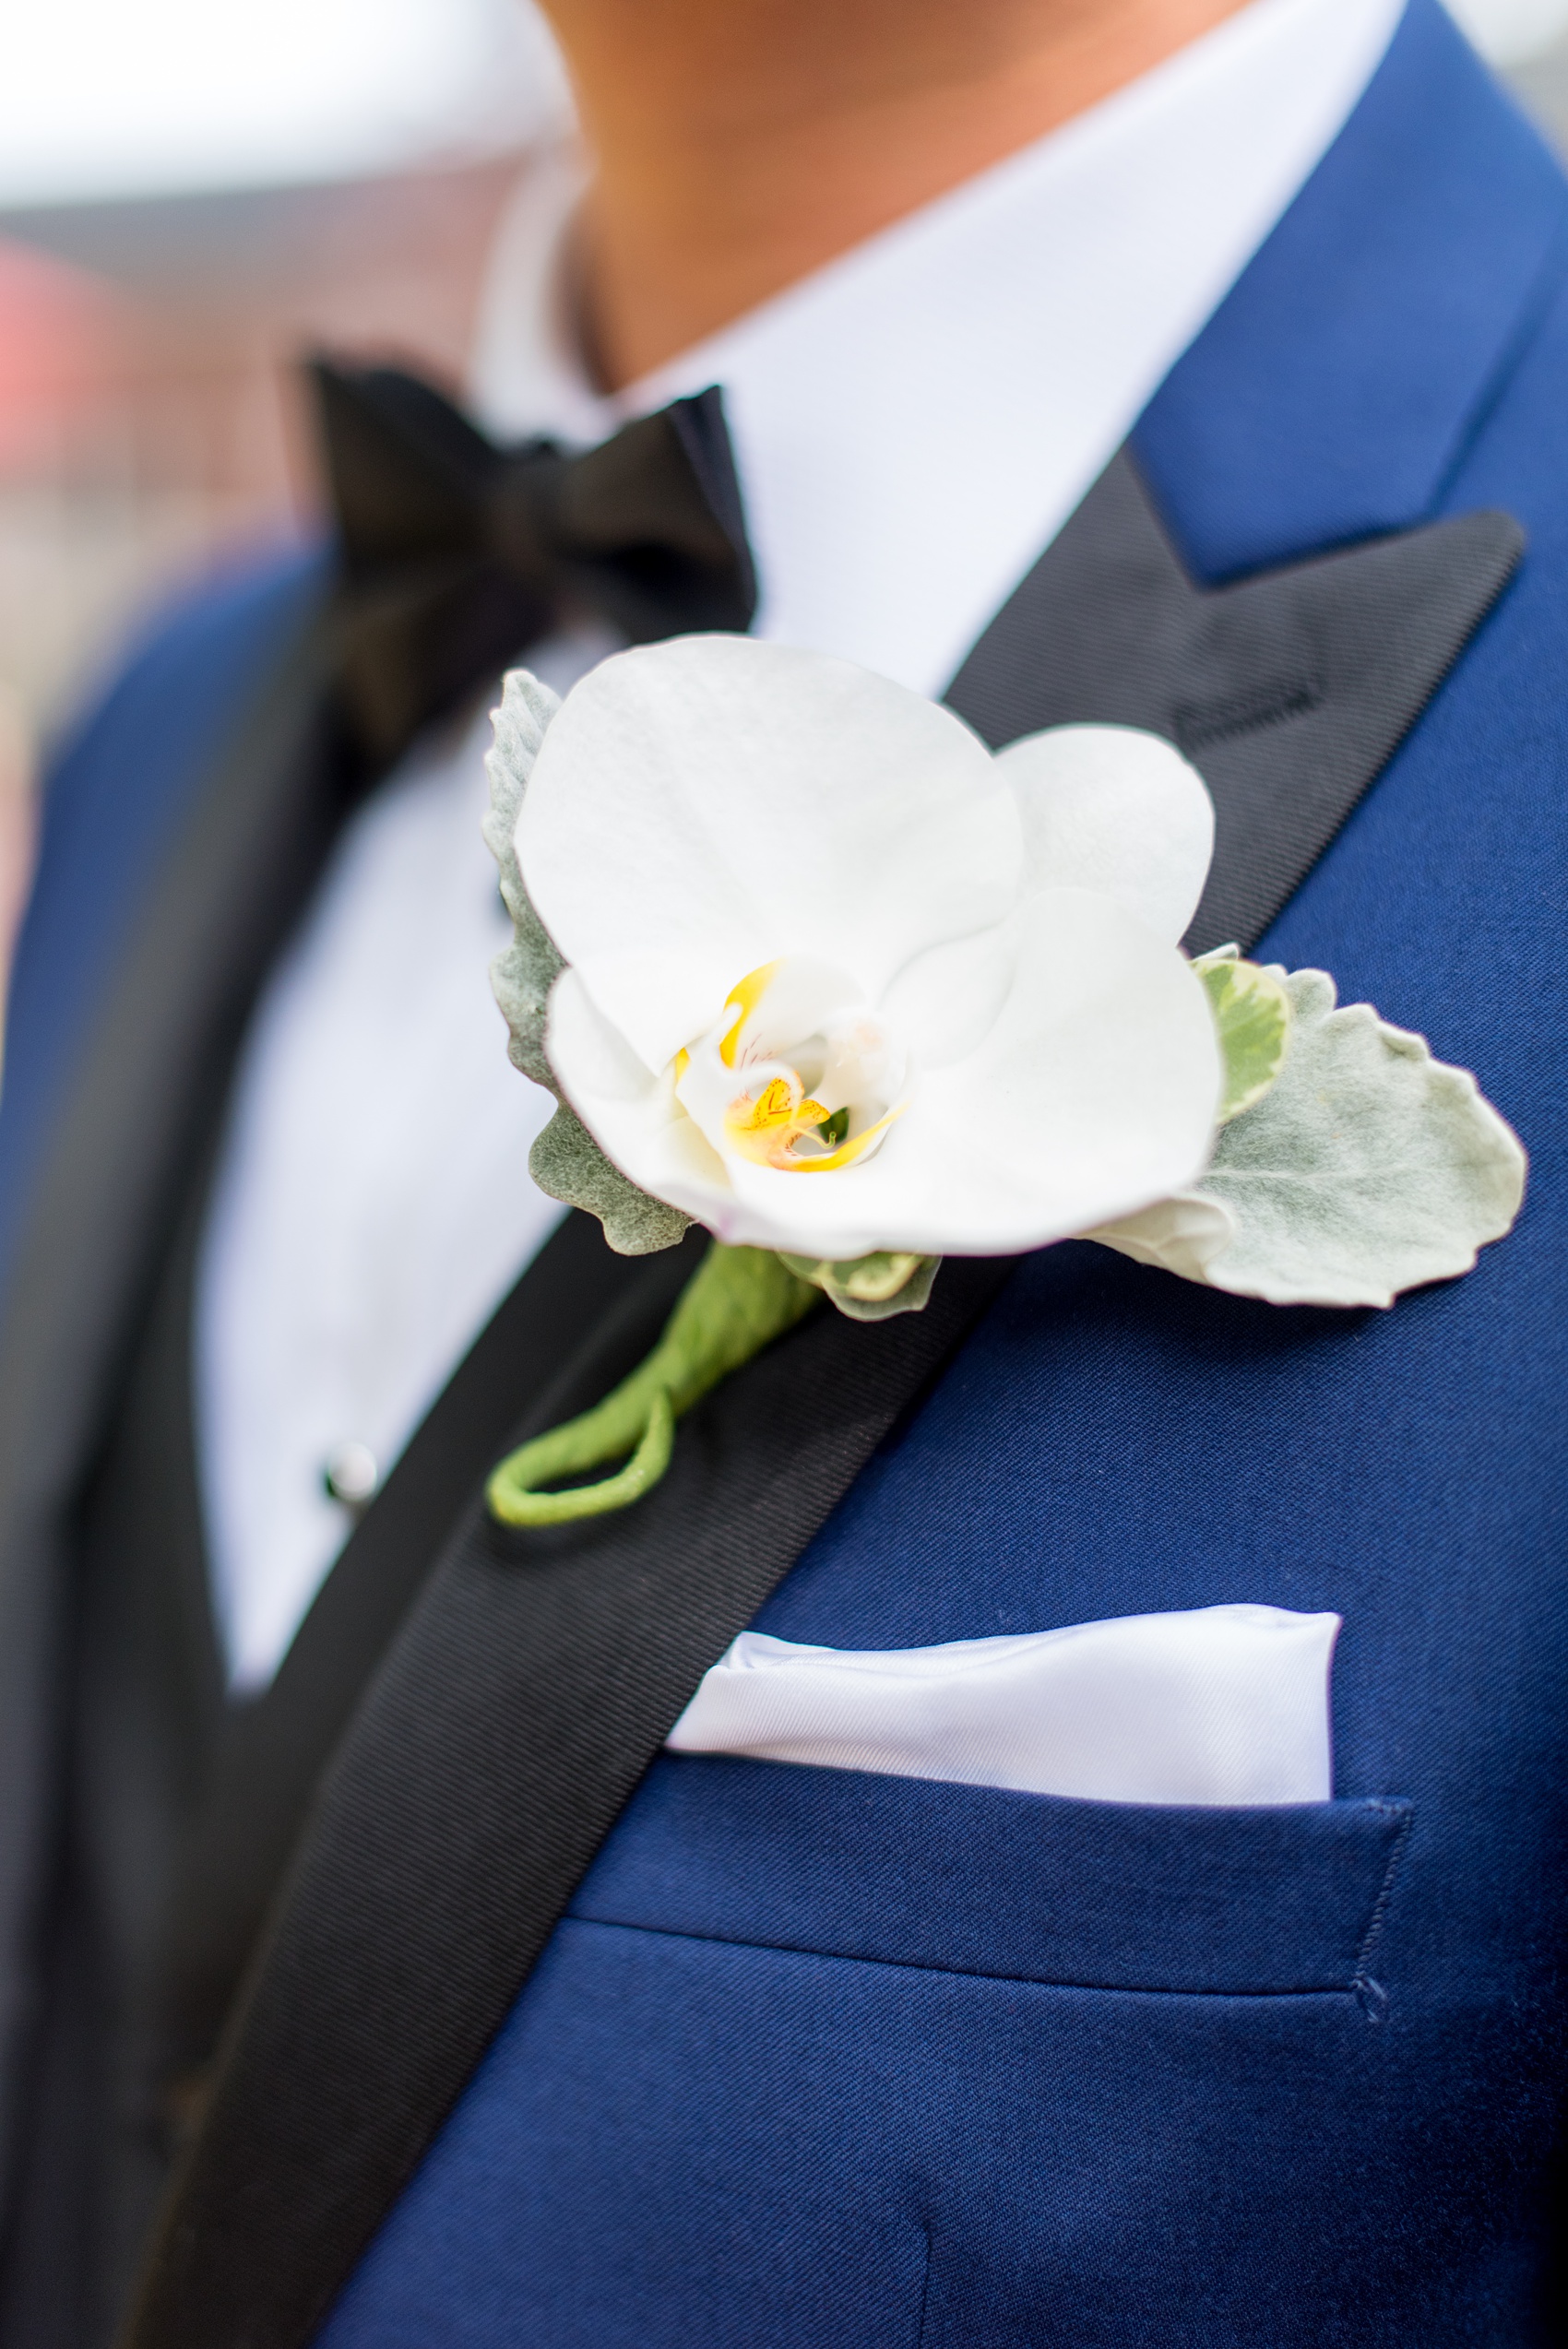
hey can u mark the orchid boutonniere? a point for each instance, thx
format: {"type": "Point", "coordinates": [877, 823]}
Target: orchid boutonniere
{"type": "Point", "coordinates": [805, 963]}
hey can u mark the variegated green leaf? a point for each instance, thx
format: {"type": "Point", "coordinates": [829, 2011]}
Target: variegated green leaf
{"type": "Point", "coordinates": [870, 1288]}
{"type": "Point", "coordinates": [1251, 1011]}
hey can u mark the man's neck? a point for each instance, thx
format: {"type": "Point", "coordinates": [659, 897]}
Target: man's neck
{"type": "Point", "coordinates": [740, 144]}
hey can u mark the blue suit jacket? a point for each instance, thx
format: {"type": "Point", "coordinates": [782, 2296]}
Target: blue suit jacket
{"type": "Point", "coordinates": [825, 2059]}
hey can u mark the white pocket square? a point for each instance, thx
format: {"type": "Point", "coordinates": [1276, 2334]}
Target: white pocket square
{"type": "Point", "coordinates": [1215, 1705]}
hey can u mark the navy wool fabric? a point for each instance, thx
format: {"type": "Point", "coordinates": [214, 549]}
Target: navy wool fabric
{"type": "Point", "coordinates": [820, 2060]}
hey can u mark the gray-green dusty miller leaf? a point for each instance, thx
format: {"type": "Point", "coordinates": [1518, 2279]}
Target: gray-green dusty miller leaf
{"type": "Point", "coordinates": [1366, 1169]}
{"type": "Point", "coordinates": [523, 974]}
{"type": "Point", "coordinates": [565, 1161]}
{"type": "Point", "coordinates": [567, 1164]}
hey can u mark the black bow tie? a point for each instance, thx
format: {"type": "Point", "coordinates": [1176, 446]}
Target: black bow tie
{"type": "Point", "coordinates": [456, 555]}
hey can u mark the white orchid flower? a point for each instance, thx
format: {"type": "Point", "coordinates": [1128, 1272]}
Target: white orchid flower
{"type": "Point", "coordinates": [839, 981]}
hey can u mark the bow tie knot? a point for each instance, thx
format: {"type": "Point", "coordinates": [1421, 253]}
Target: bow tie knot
{"type": "Point", "coordinates": [520, 518]}
{"type": "Point", "coordinates": [456, 555]}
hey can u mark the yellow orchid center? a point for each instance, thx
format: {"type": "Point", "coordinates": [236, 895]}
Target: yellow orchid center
{"type": "Point", "coordinates": [797, 1073]}
{"type": "Point", "coordinates": [768, 1126]}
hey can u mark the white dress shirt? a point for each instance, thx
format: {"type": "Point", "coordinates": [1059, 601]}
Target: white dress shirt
{"type": "Point", "coordinates": [912, 424]}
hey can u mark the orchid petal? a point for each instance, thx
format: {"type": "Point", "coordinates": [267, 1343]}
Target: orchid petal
{"type": "Point", "coordinates": [703, 806]}
{"type": "Point", "coordinates": [1185, 1234]}
{"type": "Point", "coordinates": [1116, 810]}
{"type": "Point", "coordinates": [942, 1003]}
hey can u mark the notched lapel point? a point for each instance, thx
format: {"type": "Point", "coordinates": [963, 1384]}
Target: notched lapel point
{"type": "Point", "coordinates": [1288, 691]}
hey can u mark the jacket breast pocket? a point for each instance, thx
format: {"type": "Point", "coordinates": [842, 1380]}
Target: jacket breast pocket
{"type": "Point", "coordinates": [980, 1880]}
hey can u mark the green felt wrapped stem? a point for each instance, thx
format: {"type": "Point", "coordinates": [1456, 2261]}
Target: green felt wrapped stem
{"type": "Point", "coordinates": [737, 1302]}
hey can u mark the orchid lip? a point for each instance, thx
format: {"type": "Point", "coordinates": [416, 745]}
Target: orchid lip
{"type": "Point", "coordinates": [797, 1073]}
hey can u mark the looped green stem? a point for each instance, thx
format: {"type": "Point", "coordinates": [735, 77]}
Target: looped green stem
{"type": "Point", "coordinates": [513, 1494]}
{"type": "Point", "coordinates": [736, 1302]}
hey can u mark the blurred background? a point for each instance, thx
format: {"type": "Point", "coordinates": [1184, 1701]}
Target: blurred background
{"type": "Point", "coordinates": [189, 196]}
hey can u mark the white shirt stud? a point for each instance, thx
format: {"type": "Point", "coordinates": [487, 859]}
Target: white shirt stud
{"type": "Point", "coordinates": [351, 1475]}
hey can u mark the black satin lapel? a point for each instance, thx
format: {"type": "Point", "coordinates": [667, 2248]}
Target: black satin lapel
{"type": "Point", "coordinates": [1289, 692]}
{"type": "Point", "coordinates": [529, 1689]}
{"type": "Point", "coordinates": [276, 1746]}
{"type": "Point", "coordinates": [106, 1197]}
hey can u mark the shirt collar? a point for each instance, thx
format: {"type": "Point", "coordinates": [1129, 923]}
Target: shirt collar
{"type": "Point", "coordinates": [913, 422]}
